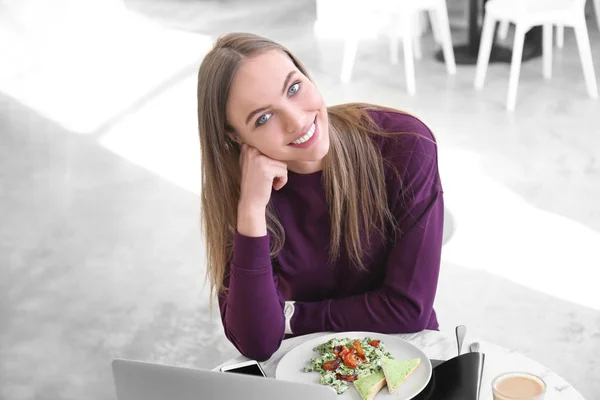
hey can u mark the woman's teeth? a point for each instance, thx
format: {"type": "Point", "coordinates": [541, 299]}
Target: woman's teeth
{"type": "Point", "coordinates": [308, 135]}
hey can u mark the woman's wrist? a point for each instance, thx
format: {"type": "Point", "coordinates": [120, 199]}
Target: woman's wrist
{"type": "Point", "coordinates": [251, 220]}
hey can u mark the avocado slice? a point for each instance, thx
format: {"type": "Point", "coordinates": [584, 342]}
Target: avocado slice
{"type": "Point", "coordinates": [369, 385]}
{"type": "Point", "coordinates": [396, 372]}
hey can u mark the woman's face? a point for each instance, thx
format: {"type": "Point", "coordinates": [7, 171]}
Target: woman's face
{"type": "Point", "coordinates": [274, 108]}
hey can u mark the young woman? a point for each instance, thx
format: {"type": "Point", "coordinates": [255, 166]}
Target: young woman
{"type": "Point", "coordinates": [316, 218]}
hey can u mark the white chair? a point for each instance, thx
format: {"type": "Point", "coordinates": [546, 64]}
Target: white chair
{"type": "Point", "coordinates": [355, 20]}
{"type": "Point", "coordinates": [526, 14]}
{"type": "Point", "coordinates": [560, 30]}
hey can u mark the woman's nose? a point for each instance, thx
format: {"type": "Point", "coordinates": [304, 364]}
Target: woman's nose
{"type": "Point", "coordinates": [294, 120]}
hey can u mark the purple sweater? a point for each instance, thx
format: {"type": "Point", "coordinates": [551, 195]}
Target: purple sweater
{"type": "Point", "coordinates": [396, 295]}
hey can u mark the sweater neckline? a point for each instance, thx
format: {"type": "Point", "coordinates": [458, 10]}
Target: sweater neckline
{"type": "Point", "coordinates": [299, 180]}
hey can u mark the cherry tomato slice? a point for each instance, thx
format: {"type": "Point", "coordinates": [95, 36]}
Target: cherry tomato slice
{"type": "Point", "coordinates": [347, 378]}
{"type": "Point", "coordinates": [359, 350]}
{"type": "Point", "coordinates": [344, 351]}
{"type": "Point", "coordinates": [332, 365]}
{"type": "Point", "coordinates": [374, 343]}
{"type": "Point", "coordinates": [351, 360]}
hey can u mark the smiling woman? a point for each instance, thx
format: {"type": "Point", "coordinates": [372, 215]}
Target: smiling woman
{"type": "Point", "coordinates": [316, 218]}
{"type": "Point", "coordinates": [284, 117]}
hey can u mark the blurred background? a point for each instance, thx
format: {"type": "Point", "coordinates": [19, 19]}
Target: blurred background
{"type": "Point", "coordinates": [100, 248]}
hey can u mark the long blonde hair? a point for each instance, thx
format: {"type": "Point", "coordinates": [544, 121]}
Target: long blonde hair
{"type": "Point", "coordinates": [353, 174]}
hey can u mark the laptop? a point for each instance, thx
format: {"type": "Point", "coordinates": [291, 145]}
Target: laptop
{"type": "Point", "coordinates": [136, 380]}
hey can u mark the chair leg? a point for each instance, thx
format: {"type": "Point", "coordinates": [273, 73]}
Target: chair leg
{"type": "Point", "coordinates": [560, 36]}
{"type": "Point", "coordinates": [547, 50]}
{"type": "Point", "coordinates": [350, 48]}
{"type": "Point", "coordinates": [485, 48]}
{"type": "Point", "coordinates": [417, 39]}
{"type": "Point", "coordinates": [394, 45]}
{"type": "Point", "coordinates": [515, 67]}
{"type": "Point", "coordinates": [503, 30]}
{"type": "Point", "coordinates": [445, 36]}
{"type": "Point", "coordinates": [435, 27]}
{"type": "Point", "coordinates": [583, 42]}
{"type": "Point", "coordinates": [409, 62]}
{"type": "Point", "coordinates": [597, 11]}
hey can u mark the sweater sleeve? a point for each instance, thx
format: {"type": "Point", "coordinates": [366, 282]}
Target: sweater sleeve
{"type": "Point", "coordinates": [404, 302]}
{"type": "Point", "coordinates": [252, 308]}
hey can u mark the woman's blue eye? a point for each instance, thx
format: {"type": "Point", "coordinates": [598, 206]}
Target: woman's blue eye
{"type": "Point", "coordinates": [294, 88]}
{"type": "Point", "coordinates": [263, 119]}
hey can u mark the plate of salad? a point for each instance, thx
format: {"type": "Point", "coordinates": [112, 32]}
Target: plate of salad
{"type": "Point", "coordinates": [352, 364]}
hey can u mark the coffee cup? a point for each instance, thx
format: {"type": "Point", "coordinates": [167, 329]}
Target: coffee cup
{"type": "Point", "coordinates": [518, 386]}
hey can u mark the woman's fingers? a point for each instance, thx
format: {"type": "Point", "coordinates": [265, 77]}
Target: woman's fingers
{"type": "Point", "coordinates": [260, 174]}
{"type": "Point", "coordinates": [280, 179]}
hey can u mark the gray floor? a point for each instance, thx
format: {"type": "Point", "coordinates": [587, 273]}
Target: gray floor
{"type": "Point", "coordinates": [100, 250]}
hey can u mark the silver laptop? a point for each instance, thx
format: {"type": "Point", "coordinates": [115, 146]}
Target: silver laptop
{"type": "Point", "coordinates": [136, 380]}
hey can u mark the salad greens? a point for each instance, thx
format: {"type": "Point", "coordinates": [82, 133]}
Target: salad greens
{"type": "Point", "coordinates": [344, 360]}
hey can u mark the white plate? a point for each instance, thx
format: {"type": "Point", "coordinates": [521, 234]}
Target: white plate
{"type": "Point", "coordinates": [291, 365]}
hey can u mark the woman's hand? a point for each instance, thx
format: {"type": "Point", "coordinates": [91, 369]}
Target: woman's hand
{"type": "Point", "coordinates": [259, 174]}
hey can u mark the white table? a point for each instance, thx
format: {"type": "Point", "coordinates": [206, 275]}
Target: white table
{"type": "Point", "coordinates": [442, 345]}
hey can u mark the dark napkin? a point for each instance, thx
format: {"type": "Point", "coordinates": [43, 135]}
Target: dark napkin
{"type": "Point", "coordinates": [456, 379]}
